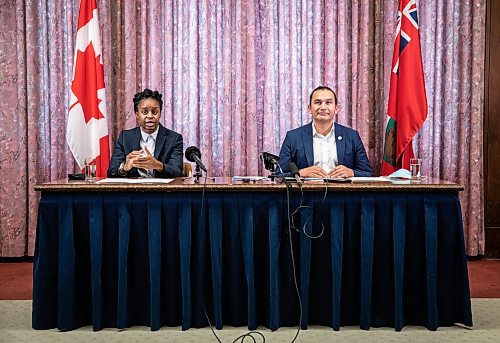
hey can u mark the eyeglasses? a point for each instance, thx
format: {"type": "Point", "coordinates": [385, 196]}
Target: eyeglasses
{"type": "Point", "coordinates": [145, 112]}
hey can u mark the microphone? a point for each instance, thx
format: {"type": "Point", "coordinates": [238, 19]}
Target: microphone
{"type": "Point", "coordinates": [193, 154]}
{"type": "Point", "coordinates": [295, 172]}
{"type": "Point", "coordinates": [277, 164]}
{"type": "Point", "coordinates": [270, 161]}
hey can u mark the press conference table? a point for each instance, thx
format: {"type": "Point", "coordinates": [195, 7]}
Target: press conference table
{"type": "Point", "coordinates": [367, 254]}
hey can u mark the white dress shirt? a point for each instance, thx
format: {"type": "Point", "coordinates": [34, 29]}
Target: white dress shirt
{"type": "Point", "coordinates": [149, 141]}
{"type": "Point", "coordinates": [325, 149]}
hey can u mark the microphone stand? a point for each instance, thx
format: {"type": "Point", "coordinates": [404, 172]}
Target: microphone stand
{"type": "Point", "coordinates": [197, 174]}
{"type": "Point", "coordinates": [273, 170]}
{"type": "Point", "coordinates": [273, 175]}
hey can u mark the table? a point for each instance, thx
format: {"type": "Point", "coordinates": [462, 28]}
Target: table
{"type": "Point", "coordinates": [119, 255]}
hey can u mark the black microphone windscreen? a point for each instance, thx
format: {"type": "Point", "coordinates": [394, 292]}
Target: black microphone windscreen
{"type": "Point", "coordinates": [293, 169]}
{"type": "Point", "coordinates": [270, 160]}
{"type": "Point", "coordinates": [191, 152]}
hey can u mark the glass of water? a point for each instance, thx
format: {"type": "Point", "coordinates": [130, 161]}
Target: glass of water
{"type": "Point", "coordinates": [90, 169]}
{"type": "Point", "coordinates": [416, 169]}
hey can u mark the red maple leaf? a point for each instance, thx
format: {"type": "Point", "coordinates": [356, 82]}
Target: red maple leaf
{"type": "Point", "coordinates": [88, 79]}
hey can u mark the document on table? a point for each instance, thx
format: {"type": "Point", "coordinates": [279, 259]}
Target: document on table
{"type": "Point", "coordinates": [137, 180]}
{"type": "Point", "coordinates": [327, 179]}
{"type": "Point", "coordinates": [369, 179]}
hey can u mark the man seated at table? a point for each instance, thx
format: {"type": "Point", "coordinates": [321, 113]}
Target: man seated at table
{"type": "Point", "coordinates": [149, 150]}
{"type": "Point", "coordinates": [323, 148]}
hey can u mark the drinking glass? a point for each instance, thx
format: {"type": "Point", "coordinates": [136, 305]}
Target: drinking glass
{"type": "Point", "coordinates": [90, 169]}
{"type": "Point", "coordinates": [416, 169]}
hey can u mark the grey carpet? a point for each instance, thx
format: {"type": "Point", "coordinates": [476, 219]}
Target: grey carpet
{"type": "Point", "coordinates": [15, 326]}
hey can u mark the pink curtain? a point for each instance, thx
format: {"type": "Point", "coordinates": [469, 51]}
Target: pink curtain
{"type": "Point", "coordinates": [236, 76]}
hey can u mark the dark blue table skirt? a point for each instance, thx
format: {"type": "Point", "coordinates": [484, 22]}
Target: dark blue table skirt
{"type": "Point", "coordinates": [119, 259]}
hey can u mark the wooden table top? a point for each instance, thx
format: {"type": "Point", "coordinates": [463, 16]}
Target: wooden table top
{"type": "Point", "coordinates": [227, 184]}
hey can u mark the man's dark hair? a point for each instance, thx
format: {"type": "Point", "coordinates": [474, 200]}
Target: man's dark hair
{"type": "Point", "coordinates": [322, 88]}
{"type": "Point", "coordinates": [147, 94]}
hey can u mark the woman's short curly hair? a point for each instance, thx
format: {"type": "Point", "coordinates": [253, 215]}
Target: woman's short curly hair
{"type": "Point", "coordinates": [147, 94]}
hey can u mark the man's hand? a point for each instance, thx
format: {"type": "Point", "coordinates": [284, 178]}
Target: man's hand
{"type": "Point", "coordinates": [341, 171]}
{"type": "Point", "coordinates": [313, 171]}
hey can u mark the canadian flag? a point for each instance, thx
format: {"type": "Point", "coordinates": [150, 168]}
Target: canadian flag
{"type": "Point", "coordinates": [87, 129]}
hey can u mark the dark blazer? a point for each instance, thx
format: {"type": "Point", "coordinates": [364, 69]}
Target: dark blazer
{"type": "Point", "coordinates": [298, 148]}
{"type": "Point", "coordinates": [168, 150]}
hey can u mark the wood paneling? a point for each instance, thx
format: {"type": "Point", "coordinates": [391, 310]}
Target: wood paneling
{"type": "Point", "coordinates": [492, 130]}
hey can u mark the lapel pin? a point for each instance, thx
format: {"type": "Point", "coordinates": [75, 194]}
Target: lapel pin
{"type": "Point", "coordinates": [339, 138]}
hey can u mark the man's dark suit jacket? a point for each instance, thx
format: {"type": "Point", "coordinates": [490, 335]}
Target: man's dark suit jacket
{"type": "Point", "coordinates": [168, 150]}
{"type": "Point", "coordinates": [298, 148]}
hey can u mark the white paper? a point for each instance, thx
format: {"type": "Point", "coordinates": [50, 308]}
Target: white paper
{"type": "Point", "coordinates": [138, 180]}
{"type": "Point", "coordinates": [369, 179]}
{"type": "Point", "coordinates": [327, 179]}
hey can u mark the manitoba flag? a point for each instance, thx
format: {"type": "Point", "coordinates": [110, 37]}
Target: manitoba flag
{"type": "Point", "coordinates": [407, 107]}
{"type": "Point", "coordinates": [87, 129]}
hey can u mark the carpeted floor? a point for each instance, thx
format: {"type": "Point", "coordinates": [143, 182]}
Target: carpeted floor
{"type": "Point", "coordinates": [484, 278]}
{"type": "Point", "coordinates": [15, 321]}
{"type": "Point", "coordinates": [16, 281]}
